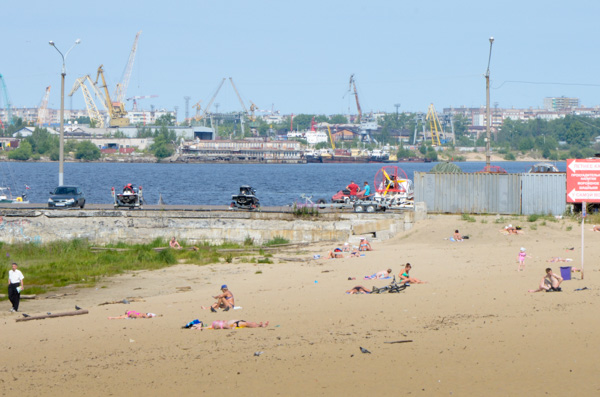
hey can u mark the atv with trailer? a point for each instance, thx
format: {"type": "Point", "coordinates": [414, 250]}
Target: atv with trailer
{"type": "Point", "coordinates": [131, 197]}
{"type": "Point", "coordinates": [245, 200]}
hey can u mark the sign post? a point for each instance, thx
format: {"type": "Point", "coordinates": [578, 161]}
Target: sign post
{"type": "Point", "coordinates": [583, 186]}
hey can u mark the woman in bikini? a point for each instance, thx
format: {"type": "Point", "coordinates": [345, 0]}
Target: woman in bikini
{"type": "Point", "coordinates": [359, 289]}
{"type": "Point", "coordinates": [406, 278]}
{"type": "Point", "coordinates": [133, 314]}
{"type": "Point", "coordinates": [364, 245]}
{"type": "Point", "coordinates": [232, 324]}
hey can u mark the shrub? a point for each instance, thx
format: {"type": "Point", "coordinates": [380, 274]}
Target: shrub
{"type": "Point", "coordinates": [277, 240]}
{"type": "Point", "coordinates": [533, 217]}
{"type": "Point", "coordinates": [468, 218]}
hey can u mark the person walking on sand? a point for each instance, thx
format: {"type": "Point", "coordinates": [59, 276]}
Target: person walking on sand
{"type": "Point", "coordinates": [550, 282]}
{"type": "Point", "coordinates": [15, 286]}
{"type": "Point", "coordinates": [522, 256]}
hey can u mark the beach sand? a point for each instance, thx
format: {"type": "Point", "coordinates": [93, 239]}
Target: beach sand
{"type": "Point", "coordinates": [475, 329]}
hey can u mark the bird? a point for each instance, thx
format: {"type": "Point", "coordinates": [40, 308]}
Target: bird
{"type": "Point", "coordinates": [77, 307]}
{"type": "Point", "coordinates": [26, 315]}
{"type": "Point", "coordinates": [48, 313]}
{"type": "Point", "coordinates": [125, 301]}
{"type": "Point", "coordinates": [363, 350]}
{"type": "Point", "coordinates": [258, 353]}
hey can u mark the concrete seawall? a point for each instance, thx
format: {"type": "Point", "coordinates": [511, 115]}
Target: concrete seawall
{"type": "Point", "coordinates": [196, 227]}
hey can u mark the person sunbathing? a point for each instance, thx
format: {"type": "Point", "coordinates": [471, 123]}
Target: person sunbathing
{"type": "Point", "coordinates": [335, 254]}
{"type": "Point", "coordinates": [510, 229]}
{"type": "Point", "coordinates": [364, 245]}
{"type": "Point", "coordinates": [596, 228]}
{"type": "Point", "coordinates": [354, 254]}
{"type": "Point", "coordinates": [359, 289]}
{"type": "Point", "coordinates": [456, 237]}
{"type": "Point", "coordinates": [231, 324]}
{"type": "Point", "coordinates": [550, 282]}
{"type": "Point", "coordinates": [133, 314]}
{"type": "Point", "coordinates": [380, 275]}
{"type": "Point", "coordinates": [174, 244]}
{"type": "Point", "coordinates": [224, 301]}
{"type": "Point", "coordinates": [406, 278]}
{"type": "Point", "coordinates": [559, 259]}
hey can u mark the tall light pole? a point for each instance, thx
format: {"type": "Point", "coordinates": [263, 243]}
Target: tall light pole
{"type": "Point", "coordinates": [63, 73]}
{"type": "Point", "coordinates": [487, 109]}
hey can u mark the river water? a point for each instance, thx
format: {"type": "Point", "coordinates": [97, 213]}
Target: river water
{"type": "Point", "coordinates": [209, 184]}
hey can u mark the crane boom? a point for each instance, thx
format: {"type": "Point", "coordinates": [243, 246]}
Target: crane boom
{"type": "Point", "coordinates": [239, 96]}
{"type": "Point", "coordinates": [331, 138]}
{"type": "Point", "coordinates": [9, 120]}
{"type": "Point", "coordinates": [43, 109]}
{"type": "Point", "coordinates": [434, 123]}
{"type": "Point", "coordinates": [121, 88]}
{"type": "Point", "coordinates": [212, 99]}
{"type": "Point", "coordinates": [92, 110]}
{"type": "Point", "coordinates": [116, 110]}
{"type": "Point", "coordinates": [353, 86]}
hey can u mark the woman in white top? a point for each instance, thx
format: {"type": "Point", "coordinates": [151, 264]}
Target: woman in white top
{"type": "Point", "coordinates": [15, 286]}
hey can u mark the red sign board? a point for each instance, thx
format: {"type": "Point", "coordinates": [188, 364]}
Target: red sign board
{"type": "Point", "coordinates": [583, 180]}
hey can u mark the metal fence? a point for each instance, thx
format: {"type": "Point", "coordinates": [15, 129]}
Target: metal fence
{"type": "Point", "coordinates": [479, 193]}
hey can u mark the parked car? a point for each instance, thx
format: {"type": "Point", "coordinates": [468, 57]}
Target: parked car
{"type": "Point", "coordinates": [66, 196]}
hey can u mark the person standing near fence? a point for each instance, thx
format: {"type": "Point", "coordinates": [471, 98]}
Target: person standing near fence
{"type": "Point", "coordinates": [15, 286]}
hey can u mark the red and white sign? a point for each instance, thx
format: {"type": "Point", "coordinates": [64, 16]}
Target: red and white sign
{"type": "Point", "coordinates": [583, 181]}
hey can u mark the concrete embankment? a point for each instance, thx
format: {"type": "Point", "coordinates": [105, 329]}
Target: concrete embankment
{"type": "Point", "coordinates": [195, 227]}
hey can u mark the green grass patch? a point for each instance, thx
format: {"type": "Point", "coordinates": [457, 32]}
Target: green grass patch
{"type": "Point", "coordinates": [276, 241]}
{"type": "Point", "coordinates": [265, 260]}
{"type": "Point", "coordinates": [533, 227]}
{"type": "Point", "coordinates": [569, 228]}
{"type": "Point", "coordinates": [305, 212]}
{"type": "Point", "coordinates": [62, 263]}
{"type": "Point", "coordinates": [467, 217]}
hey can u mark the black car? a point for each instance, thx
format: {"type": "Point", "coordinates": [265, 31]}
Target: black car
{"type": "Point", "coordinates": [66, 196]}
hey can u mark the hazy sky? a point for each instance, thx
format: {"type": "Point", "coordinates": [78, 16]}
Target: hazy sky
{"type": "Point", "coordinates": [297, 56]}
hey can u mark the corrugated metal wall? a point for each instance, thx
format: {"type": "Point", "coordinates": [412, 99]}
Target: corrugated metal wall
{"type": "Point", "coordinates": [479, 193]}
{"type": "Point", "coordinates": [543, 194]}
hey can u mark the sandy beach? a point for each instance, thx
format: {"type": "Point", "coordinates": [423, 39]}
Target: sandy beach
{"type": "Point", "coordinates": [475, 329]}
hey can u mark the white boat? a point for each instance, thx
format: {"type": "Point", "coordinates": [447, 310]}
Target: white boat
{"type": "Point", "coordinates": [6, 197]}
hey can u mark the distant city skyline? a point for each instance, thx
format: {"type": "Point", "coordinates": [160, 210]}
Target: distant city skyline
{"type": "Point", "coordinates": [298, 58]}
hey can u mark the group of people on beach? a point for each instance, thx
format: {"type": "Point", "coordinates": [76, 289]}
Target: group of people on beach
{"type": "Point", "coordinates": [404, 277]}
{"type": "Point", "coordinates": [363, 246]}
{"type": "Point", "coordinates": [224, 301]}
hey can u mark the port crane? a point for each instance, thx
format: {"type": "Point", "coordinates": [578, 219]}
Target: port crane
{"type": "Point", "coordinates": [121, 88]}
{"type": "Point", "coordinates": [435, 126]}
{"type": "Point", "coordinates": [9, 120]}
{"type": "Point", "coordinates": [43, 109]}
{"type": "Point", "coordinates": [135, 98]}
{"type": "Point", "coordinates": [331, 138]}
{"type": "Point", "coordinates": [210, 102]}
{"type": "Point", "coordinates": [352, 88]}
{"type": "Point", "coordinates": [90, 105]}
{"type": "Point", "coordinates": [116, 110]}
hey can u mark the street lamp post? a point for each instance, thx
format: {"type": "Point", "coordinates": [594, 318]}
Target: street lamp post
{"type": "Point", "coordinates": [487, 108]}
{"type": "Point", "coordinates": [63, 73]}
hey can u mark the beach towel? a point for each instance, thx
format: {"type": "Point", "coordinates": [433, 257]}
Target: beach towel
{"type": "Point", "coordinates": [374, 277]}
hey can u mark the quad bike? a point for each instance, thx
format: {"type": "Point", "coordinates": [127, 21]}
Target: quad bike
{"type": "Point", "coordinates": [246, 200]}
{"type": "Point", "coordinates": [131, 197]}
